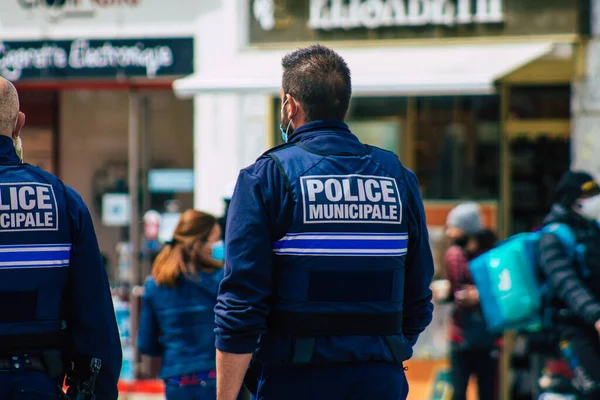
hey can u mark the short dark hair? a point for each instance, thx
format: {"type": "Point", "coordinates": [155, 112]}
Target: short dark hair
{"type": "Point", "coordinates": [319, 79]}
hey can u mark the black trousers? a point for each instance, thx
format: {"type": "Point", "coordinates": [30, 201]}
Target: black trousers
{"type": "Point", "coordinates": [483, 364]}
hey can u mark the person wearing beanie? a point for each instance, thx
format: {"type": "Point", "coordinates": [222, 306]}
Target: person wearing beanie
{"type": "Point", "coordinates": [471, 346]}
{"type": "Point", "coordinates": [576, 284]}
{"type": "Point", "coordinates": [464, 220]}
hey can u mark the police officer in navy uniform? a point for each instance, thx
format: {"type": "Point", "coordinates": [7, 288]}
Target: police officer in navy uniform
{"type": "Point", "coordinates": [57, 312]}
{"type": "Point", "coordinates": [328, 262]}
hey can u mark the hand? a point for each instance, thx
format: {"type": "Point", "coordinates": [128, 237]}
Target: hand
{"type": "Point", "coordinates": [597, 326]}
{"type": "Point", "coordinates": [468, 296]}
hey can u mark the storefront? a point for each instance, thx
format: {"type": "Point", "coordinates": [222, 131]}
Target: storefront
{"type": "Point", "coordinates": [95, 83]}
{"type": "Point", "coordinates": [437, 82]}
{"type": "Point", "coordinates": [473, 95]}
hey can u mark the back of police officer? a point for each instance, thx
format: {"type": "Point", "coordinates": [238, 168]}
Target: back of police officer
{"type": "Point", "coordinates": [56, 305]}
{"type": "Point", "coordinates": [328, 262]}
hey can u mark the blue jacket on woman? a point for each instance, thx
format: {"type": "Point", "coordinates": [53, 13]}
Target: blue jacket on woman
{"type": "Point", "coordinates": [177, 324]}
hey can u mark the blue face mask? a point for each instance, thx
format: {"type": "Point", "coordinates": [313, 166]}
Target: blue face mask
{"type": "Point", "coordinates": [218, 251]}
{"type": "Point", "coordinates": [284, 132]}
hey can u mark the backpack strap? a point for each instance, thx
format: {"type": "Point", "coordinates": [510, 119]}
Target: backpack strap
{"type": "Point", "coordinates": [575, 251]}
{"type": "Point", "coordinates": [566, 236]}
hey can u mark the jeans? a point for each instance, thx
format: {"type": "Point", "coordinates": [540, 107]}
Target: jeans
{"type": "Point", "coordinates": [192, 387]}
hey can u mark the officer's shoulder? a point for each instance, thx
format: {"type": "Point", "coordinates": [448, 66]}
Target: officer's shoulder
{"type": "Point", "coordinates": [72, 194]}
{"type": "Point", "coordinates": [55, 181]}
{"type": "Point", "coordinates": [267, 161]}
{"type": "Point", "coordinates": [274, 150]}
{"type": "Point", "coordinates": [44, 175]}
{"type": "Point", "coordinates": [385, 152]}
{"type": "Point", "coordinates": [394, 162]}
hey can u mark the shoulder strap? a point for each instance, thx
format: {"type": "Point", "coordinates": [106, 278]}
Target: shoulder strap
{"type": "Point", "coordinates": [275, 149]}
{"type": "Point", "coordinates": [566, 236]}
{"type": "Point", "coordinates": [576, 251]}
{"type": "Point", "coordinates": [392, 163]}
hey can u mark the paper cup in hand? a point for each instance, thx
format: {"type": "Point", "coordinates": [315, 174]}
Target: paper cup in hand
{"type": "Point", "coordinates": [440, 289]}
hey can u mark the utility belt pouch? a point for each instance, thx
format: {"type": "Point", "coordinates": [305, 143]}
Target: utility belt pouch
{"type": "Point", "coordinates": [53, 362]}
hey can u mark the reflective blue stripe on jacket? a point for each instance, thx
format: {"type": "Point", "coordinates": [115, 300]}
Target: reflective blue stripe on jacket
{"type": "Point", "coordinates": [49, 256]}
{"type": "Point", "coordinates": [264, 229]}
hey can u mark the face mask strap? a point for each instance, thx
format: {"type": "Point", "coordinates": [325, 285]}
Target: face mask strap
{"type": "Point", "coordinates": [284, 132]}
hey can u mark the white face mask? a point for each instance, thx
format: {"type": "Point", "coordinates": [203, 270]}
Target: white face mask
{"type": "Point", "coordinates": [589, 208]}
{"type": "Point", "coordinates": [18, 143]}
{"type": "Point", "coordinates": [19, 147]}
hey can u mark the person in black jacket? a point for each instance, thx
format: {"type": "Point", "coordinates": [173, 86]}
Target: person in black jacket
{"type": "Point", "coordinates": [575, 285]}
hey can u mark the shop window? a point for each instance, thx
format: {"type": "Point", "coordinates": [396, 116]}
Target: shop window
{"type": "Point", "coordinates": [540, 102]}
{"type": "Point", "coordinates": [377, 107]}
{"type": "Point", "coordinates": [452, 143]}
{"type": "Point", "coordinates": [536, 167]}
{"type": "Point", "coordinates": [378, 121]}
{"type": "Point", "coordinates": [39, 137]}
{"type": "Point", "coordinates": [457, 147]}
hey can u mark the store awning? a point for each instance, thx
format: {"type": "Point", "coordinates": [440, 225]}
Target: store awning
{"type": "Point", "coordinates": [409, 70]}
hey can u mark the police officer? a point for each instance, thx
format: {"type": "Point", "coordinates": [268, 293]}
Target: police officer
{"type": "Point", "coordinates": [57, 311]}
{"type": "Point", "coordinates": [328, 259]}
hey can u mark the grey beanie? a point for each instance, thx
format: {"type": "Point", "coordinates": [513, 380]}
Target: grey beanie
{"type": "Point", "coordinates": [466, 217]}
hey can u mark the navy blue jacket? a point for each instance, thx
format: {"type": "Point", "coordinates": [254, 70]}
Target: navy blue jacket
{"type": "Point", "coordinates": [61, 268]}
{"type": "Point", "coordinates": [261, 212]}
{"type": "Point", "coordinates": [177, 324]}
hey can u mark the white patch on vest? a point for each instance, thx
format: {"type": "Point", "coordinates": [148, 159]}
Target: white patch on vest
{"type": "Point", "coordinates": [350, 199]}
{"type": "Point", "coordinates": [29, 206]}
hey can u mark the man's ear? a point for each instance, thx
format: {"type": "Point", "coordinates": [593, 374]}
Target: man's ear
{"type": "Point", "coordinates": [294, 107]}
{"type": "Point", "coordinates": [19, 125]}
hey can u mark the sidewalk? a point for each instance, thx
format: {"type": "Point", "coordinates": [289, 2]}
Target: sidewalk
{"type": "Point", "coordinates": [141, 390]}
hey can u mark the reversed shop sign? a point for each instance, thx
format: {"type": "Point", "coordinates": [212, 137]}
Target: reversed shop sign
{"type": "Point", "coordinates": [83, 58]}
{"type": "Point", "coordinates": [348, 14]}
{"type": "Point", "coordinates": [331, 14]}
{"type": "Point", "coordinates": [284, 21]}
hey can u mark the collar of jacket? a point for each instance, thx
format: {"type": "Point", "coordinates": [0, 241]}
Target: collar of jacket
{"type": "Point", "coordinates": [314, 128]}
{"type": "Point", "coordinates": [8, 154]}
{"type": "Point", "coordinates": [560, 213]}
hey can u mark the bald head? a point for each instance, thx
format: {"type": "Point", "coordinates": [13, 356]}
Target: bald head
{"type": "Point", "coordinates": [9, 107]}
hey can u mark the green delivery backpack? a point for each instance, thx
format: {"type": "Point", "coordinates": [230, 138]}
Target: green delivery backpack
{"type": "Point", "coordinates": [511, 293]}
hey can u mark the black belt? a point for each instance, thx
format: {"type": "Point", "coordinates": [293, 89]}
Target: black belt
{"type": "Point", "coordinates": [28, 341]}
{"type": "Point", "coordinates": [307, 326]}
{"type": "Point", "coordinates": [335, 324]}
{"type": "Point", "coordinates": [21, 363]}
